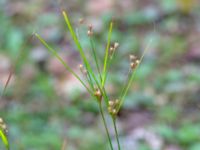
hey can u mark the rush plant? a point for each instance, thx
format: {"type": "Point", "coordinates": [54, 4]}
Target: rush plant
{"type": "Point", "coordinates": [95, 81]}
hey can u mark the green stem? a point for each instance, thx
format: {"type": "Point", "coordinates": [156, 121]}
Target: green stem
{"type": "Point", "coordinates": [132, 77]}
{"type": "Point", "coordinates": [116, 132]}
{"type": "Point", "coordinates": [126, 83]}
{"type": "Point", "coordinates": [106, 55]}
{"type": "Point", "coordinates": [95, 57]}
{"type": "Point", "coordinates": [78, 44]}
{"type": "Point", "coordinates": [105, 125]}
{"type": "Point", "coordinates": [62, 61]}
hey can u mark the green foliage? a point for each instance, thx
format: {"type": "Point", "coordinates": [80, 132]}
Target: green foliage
{"type": "Point", "coordinates": [4, 139]}
{"type": "Point", "coordinates": [188, 134]}
{"type": "Point", "coordinates": [99, 91]}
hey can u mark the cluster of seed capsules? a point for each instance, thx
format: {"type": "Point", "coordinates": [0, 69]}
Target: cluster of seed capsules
{"type": "Point", "coordinates": [113, 107]}
{"type": "Point", "coordinates": [3, 126]}
{"type": "Point", "coordinates": [134, 62]}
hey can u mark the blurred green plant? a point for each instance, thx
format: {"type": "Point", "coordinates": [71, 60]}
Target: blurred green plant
{"type": "Point", "coordinates": [3, 134]}
{"type": "Point", "coordinates": [96, 82]}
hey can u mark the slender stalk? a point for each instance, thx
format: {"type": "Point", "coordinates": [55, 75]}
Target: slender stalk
{"type": "Point", "coordinates": [98, 69]}
{"type": "Point", "coordinates": [106, 55]}
{"type": "Point", "coordinates": [4, 139]}
{"type": "Point", "coordinates": [126, 83]}
{"type": "Point", "coordinates": [85, 61]}
{"type": "Point", "coordinates": [90, 81]}
{"type": "Point", "coordinates": [105, 125]}
{"type": "Point", "coordinates": [7, 82]}
{"type": "Point", "coordinates": [109, 64]}
{"type": "Point", "coordinates": [132, 76]}
{"type": "Point", "coordinates": [116, 132]}
{"type": "Point", "coordinates": [95, 58]}
{"type": "Point", "coordinates": [62, 61]}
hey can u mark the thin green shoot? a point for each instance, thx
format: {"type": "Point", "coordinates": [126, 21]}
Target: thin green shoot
{"type": "Point", "coordinates": [98, 69]}
{"type": "Point", "coordinates": [133, 76]}
{"type": "Point", "coordinates": [86, 63]}
{"type": "Point", "coordinates": [95, 58]}
{"type": "Point", "coordinates": [105, 125]}
{"type": "Point", "coordinates": [7, 82]}
{"type": "Point", "coordinates": [4, 139]}
{"type": "Point", "coordinates": [126, 82]}
{"type": "Point", "coordinates": [116, 132]}
{"type": "Point", "coordinates": [106, 55]}
{"type": "Point", "coordinates": [62, 61]}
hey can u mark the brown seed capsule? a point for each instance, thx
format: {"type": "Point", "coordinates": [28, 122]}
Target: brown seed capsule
{"type": "Point", "coordinates": [132, 58]}
{"type": "Point", "coordinates": [116, 45]}
{"type": "Point", "coordinates": [82, 69]}
{"type": "Point", "coordinates": [137, 62]}
{"type": "Point", "coordinates": [111, 103]}
{"type": "Point", "coordinates": [114, 112]}
{"type": "Point", "coordinates": [90, 33]}
{"type": "Point", "coordinates": [80, 66]}
{"type": "Point", "coordinates": [112, 49]}
{"type": "Point", "coordinates": [98, 94]}
{"type": "Point", "coordinates": [133, 65]}
{"type": "Point", "coordinates": [90, 27]}
{"type": "Point", "coordinates": [3, 126]}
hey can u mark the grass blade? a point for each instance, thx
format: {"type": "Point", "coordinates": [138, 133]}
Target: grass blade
{"type": "Point", "coordinates": [105, 125]}
{"type": "Point", "coordinates": [4, 139]}
{"type": "Point", "coordinates": [86, 63]}
{"type": "Point", "coordinates": [132, 76]}
{"type": "Point", "coordinates": [62, 61]}
{"type": "Point", "coordinates": [95, 58]}
{"type": "Point", "coordinates": [7, 82]}
{"type": "Point", "coordinates": [106, 55]}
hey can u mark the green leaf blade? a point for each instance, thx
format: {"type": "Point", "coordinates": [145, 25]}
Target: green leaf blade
{"type": "Point", "coordinates": [4, 139]}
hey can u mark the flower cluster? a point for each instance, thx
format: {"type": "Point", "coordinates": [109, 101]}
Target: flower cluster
{"type": "Point", "coordinates": [3, 126]}
{"type": "Point", "coordinates": [134, 62]}
{"type": "Point", "coordinates": [113, 106]}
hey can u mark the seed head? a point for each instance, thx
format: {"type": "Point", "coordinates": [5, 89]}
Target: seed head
{"type": "Point", "coordinates": [3, 125]}
{"type": "Point", "coordinates": [114, 111]}
{"type": "Point", "coordinates": [116, 45]}
{"type": "Point", "coordinates": [113, 106]}
{"type": "Point", "coordinates": [90, 30]}
{"type": "Point", "coordinates": [132, 65]}
{"type": "Point", "coordinates": [81, 66]}
{"type": "Point", "coordinates": [112, 50]}
{"type": "Point", "coordinates": [98, 94]}
{"type": "Point", "coordinates": [90, 27]}
{"type": "Point", "coordinates": [82, 69]}
{"type": "Point", "coordinates": [132, 58]}
{"type": "Point", "coordinates": [90, 33]}
{"type": "Point", "coordinates": [137, 62]}
{"type": "Point", "coordinates": [133, 61]}
{"type": "Point", "coordinates": [111, 103]}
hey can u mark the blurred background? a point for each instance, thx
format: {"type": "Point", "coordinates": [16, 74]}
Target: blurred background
{"type": "Point", "coordinates": [44, 105]}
